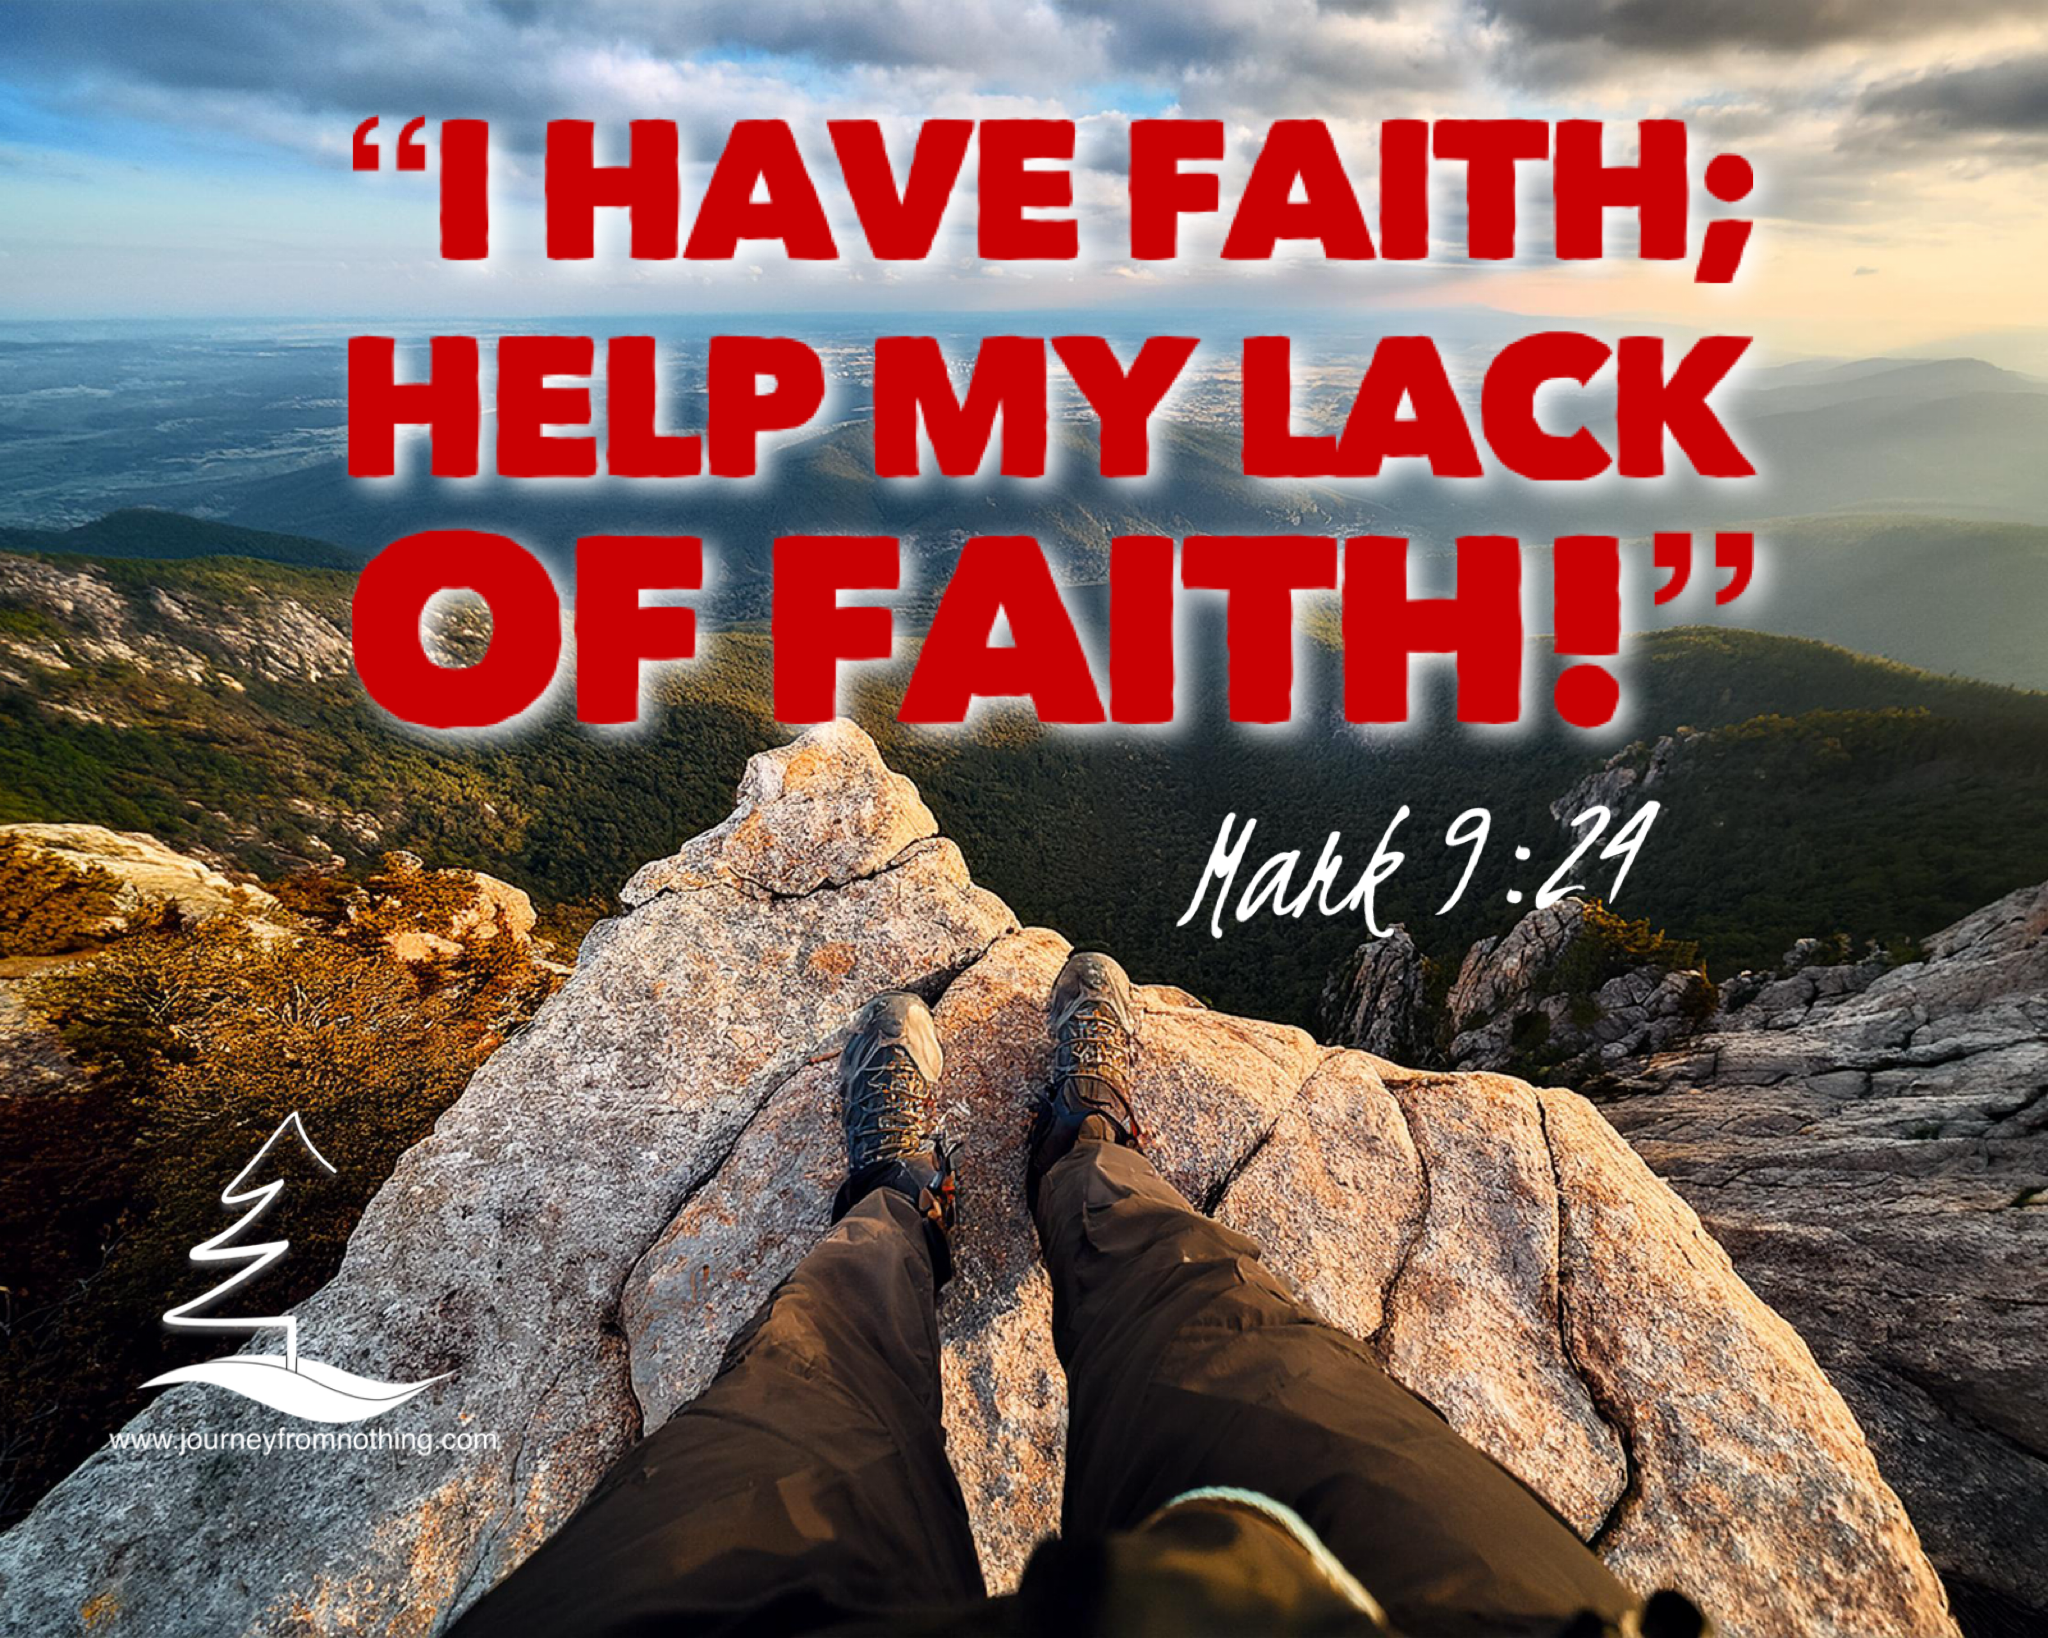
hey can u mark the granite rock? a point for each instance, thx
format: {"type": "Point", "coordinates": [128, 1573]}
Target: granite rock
{"type": "Point", "coordinates": [1872, 1148]}
{"type": "Point", "coordinates": [1375, 1000]}
{"type": "Point", "coordinates": [623, 1182]}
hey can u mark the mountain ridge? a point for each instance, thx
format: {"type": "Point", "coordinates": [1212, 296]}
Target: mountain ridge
{"type": "Point", "coordinates": [149, 532]}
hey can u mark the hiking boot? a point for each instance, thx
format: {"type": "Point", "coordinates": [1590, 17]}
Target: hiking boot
{"type": "Point", "coordinates": [890, 1112]}
{"type": "Point", "coordinates": [1093, 1022]}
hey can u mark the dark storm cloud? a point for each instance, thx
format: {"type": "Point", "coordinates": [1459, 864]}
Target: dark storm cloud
{"type": "Point", "coordinates": [2008, 98]}
{"type": "Point", "coordinates": [1687, 27]}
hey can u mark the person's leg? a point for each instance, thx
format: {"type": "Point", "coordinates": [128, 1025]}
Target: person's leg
{"type": "Point", "coordinates": [808, 1484]}
{"type": "Point", "coordinates": [1190, 1365]}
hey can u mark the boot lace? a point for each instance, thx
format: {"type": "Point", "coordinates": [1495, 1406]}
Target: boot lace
{"type": "Point", "coordinates": [1097, 1044]}
{"type": "Point", "coordinates": [892, 1112]}
{"type": "Point", "coordinates": [1096, 1048]}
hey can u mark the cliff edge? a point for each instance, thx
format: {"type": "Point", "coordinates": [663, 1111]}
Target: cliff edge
{"type": "Point", "coordinates": [624, 1181]}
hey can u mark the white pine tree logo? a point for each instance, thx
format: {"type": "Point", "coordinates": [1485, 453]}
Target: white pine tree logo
{"type": "Point", "coordinates": [299, 1387]}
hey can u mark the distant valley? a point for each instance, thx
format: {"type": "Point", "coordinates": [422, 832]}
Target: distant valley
{"type": "Point", "coordinates": [1902, 511]}
{"type": "Point", "coordinates": [176, 571]}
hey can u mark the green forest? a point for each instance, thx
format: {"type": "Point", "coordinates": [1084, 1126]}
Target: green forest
{"type": "Point", "coordinates": [1818, 791]}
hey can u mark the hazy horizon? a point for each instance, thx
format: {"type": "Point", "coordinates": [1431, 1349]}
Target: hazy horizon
{"type": "Point", "coordinates": [150, 172]}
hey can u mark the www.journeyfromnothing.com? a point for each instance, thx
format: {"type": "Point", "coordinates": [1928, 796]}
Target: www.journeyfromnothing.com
{"type": "Point", "coordinates": [304, 1442]}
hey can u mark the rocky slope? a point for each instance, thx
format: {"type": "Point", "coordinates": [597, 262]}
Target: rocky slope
{"type": "Point", "coordinates": [72, 614]}
{"type": "Point", "coordinates": [623, 1182]}
{"type": "Point", "coordinates": [1870, 1141]}
{"type": "Point", "coordinates": [1872, 1147]}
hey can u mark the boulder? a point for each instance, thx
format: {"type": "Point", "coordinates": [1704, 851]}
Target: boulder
{"type": "Point", "coordinates": [1500, 976]}
{"type": "Point", "coordinates": [501, 911]}
{"type": "Point", "coordinates": [1376, 1001]}
{"type": "Point", "coordinates": [485, 909]}
{"type": "Point", "coordinates": [623, 1182]}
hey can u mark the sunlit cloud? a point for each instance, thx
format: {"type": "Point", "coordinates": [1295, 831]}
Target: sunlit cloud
{"type": "Point", "coordinates": [1885, 133]}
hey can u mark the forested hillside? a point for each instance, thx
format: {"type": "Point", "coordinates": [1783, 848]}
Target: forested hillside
{"type": "Point", "coordinates": [1949, 594]}
{"type": "Point", "coordinates": [211, 703]}
{"type": "Point", "coordinates": [139, 531]}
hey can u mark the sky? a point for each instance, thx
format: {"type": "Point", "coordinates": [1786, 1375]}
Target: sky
{"type": "Point", "coordinates": [180, 160]}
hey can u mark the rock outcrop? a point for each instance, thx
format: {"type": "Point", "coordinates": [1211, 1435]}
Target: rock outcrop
{"type": "Point", "coordinates": [1542, 993]}
{"type": "Point", "coordinates": [1376, 1001]}
{"type": "Point", "coordinates": [1539, 995]}
{"type": "Point", "coordinates": [1627, 776]}
{"type": "Point", "coordinates": [1872, 1148]}
{"type": "Point", "coordinates": [144, 880]}
{"type": "Point", "coordinates": [623, 1182]}
{"type": "Point", "coordinates": [1870, 1141]}
{"type": "Point", "coordinates": [488, 909]}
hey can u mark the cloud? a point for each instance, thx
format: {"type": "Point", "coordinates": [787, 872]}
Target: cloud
{"type": "Point", "coordinates": [1652, 27]}
{"type": "Point", "coordinates": [1881, 130]}
{"type": "Point", "coordinates": [1863, 272]}
{"type": "Point", "coordinates": [299, 76]}
{"type": "Point", "coordinates": [514, 59]}
{"type": "Point", "coordinates": [2001, 97]}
